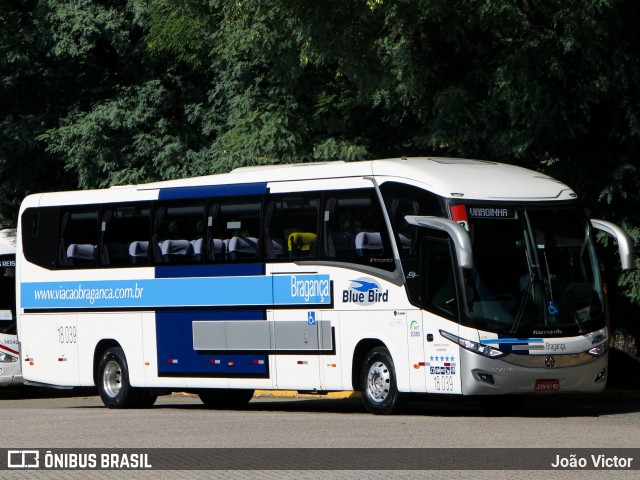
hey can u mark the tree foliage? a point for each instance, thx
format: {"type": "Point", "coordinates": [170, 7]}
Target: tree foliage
{"type": "Point", "coordinates": [99, 92]}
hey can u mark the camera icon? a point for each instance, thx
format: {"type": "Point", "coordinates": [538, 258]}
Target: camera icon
{"type": "Point", "coordinates": [23, 459]}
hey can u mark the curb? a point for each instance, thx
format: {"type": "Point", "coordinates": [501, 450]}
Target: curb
{"type": "Point", "coordinates": [296, 394]}
{"type": "Point", "coordinates": [289, 394]}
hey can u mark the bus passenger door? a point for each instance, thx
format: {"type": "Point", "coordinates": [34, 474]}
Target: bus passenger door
{"type": "Point", "coordinates": [439, 299]}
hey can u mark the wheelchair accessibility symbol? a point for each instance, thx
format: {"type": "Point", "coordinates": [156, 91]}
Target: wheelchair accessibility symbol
{"type": "Point", "coordinates": [553, 309]}
{"type": "Point", "coordinates": [311, 318]}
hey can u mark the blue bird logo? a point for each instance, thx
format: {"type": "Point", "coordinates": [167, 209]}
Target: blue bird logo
{"type": "Point", "coordinates": [364, 286]}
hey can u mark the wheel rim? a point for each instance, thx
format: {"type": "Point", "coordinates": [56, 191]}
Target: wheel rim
{"type": "Point", "coordinates": [378, 382]}
{"type": "Point", "coordinates": [112, 378]}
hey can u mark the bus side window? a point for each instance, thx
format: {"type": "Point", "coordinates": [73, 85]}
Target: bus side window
{"type": "Point", "coordinates": [125, 235]}
{"type": "Point", "coordinates": [179, 232]}
{"type": "Point", "coordinates": [292, 227]}
{"type": "Point", "coordinates": [235, 230]}
{"type": "Point", "coordinates": [78, 239]}
{"type": "Point", "coordinates": [40, 236]}
{"type": "Point", "coordinates": [355, 230]}
{"type": "Point", "coordinates": [438, 278]}
{"type": "Point", "coordinates": [401, 200]}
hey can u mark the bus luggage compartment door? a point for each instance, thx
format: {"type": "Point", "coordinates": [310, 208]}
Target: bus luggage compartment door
{"type": "Point", "coordinates": [297, 346]}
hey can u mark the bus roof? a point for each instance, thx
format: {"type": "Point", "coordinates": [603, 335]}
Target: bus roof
{"type": "Point", "coordinates": [448, 177]}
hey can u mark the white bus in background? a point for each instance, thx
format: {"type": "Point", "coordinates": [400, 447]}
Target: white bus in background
{"type": "Point", "coordinates": [389, 277]}
{"type": "Point", "coordinates": [9, 353]}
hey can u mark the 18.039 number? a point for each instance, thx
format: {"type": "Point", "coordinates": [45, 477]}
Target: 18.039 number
{"type": "Point", "coordinates": [67, 334]}
{"type": "Point", "coordinates": [443, 383]}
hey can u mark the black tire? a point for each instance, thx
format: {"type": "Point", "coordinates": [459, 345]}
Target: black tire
{"type": "Point", "coordinates": [378, 383]}
{"type": "Point", "coordinates": [225, 398]}
{"type": "Point", "coordinates": [112, 380]}
{"type": "Point", "coordinates": [146, 397]}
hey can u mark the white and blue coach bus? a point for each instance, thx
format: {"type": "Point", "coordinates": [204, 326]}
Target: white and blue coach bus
{"type": "Point", "coordinates": [391, 277]}
{"type": "Point", "coordinates": [9, 355]}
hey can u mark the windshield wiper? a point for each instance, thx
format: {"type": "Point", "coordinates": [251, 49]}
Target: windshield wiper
{"type": "Point", "coordinates": [549, 275]}
{"type": "Point", "coordinates": [525, 290]}
{"type": "Point", "coordinates": [523, 303]}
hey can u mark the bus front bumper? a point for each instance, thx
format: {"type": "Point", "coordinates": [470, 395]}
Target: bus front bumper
{"type": "Point", "coordinates": [10, 374]}
{"type": "Point", "coordinates": [532, 374]}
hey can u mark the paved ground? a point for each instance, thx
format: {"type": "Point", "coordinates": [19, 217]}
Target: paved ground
{"type": "Point", "coordinates": [78, 420]}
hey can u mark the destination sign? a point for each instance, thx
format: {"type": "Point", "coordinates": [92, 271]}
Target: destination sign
{"type": "Point", "coordinates": [491, 212]}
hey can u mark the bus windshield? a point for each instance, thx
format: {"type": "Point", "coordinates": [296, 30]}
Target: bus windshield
{"type": "Point", "coordinates": [535, 272]}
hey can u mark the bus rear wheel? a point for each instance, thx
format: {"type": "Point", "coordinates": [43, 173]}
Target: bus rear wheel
{"type": "Point", "coordinates": [379, 388]}
{"type": "Point", "coordinates": [113, 383]}
{"type": "Point", "coordinates": [225, 398]}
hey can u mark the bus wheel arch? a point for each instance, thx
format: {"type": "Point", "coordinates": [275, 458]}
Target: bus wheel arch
{"type": "Point", "coordinates": [363, 347]}
{"type": "Point", "coordinates": [378, 381]}
{"type": "Point", "coordinates": [112, 379]}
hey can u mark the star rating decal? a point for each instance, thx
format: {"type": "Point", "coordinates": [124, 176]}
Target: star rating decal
{"type": "Point", "coordinates": [440, 358]}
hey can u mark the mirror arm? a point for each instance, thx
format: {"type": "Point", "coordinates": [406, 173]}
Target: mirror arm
{"type": "Point", "coordinates": [458, 234]}
{"type": "Point", "coordinates": [625, 244]}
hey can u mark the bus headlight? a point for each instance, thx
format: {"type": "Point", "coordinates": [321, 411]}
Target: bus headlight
{"type": "Point", "coordinates": [474, 347]}
{"type": "Point", "coordinates": [598, 350]}
{"type": "Point", "coordinates": [6, 358]}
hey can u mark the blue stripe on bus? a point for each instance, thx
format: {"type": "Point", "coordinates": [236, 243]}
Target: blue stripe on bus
{"type": "Point", "coordinates": [176, 356]}
{"type": "Point", "coordinates": [515, 345]}
{"type": "Point", "coordinates": [227, 291]}
{"type": "Point", "coordinates": [220, 270]}
{"type": "Point", "coordinates": [204, 191]}
{"type": "Point", "coordinates": [515, 341]}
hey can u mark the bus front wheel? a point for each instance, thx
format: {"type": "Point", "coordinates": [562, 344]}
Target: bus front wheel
{"type": "Point", "coordinates": [113, 383]}
{"type": "Point", "coordinates": [379, 388]}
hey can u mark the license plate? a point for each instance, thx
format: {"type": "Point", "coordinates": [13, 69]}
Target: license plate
{"type": "Point", "coordinates": [547, 385]}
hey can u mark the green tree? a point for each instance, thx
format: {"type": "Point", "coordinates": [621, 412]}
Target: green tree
{"type": "Point", "coordinates": [26, 108]}
{"type": "Point", "coordinates": [97, 92]}
{"type": "Point", "coordinates": [57, 58]}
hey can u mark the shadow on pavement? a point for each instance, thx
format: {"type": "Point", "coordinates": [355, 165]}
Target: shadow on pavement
{"type": "Point", "coordinates": [532, 407]}
{"type": "Point", "coordinates": [25, 392]}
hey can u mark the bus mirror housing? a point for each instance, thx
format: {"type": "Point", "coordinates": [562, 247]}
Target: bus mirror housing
{"type": "Point", "coordinates": [625, 244]}
{"type": "Point", "coordinates": [458, 234]}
